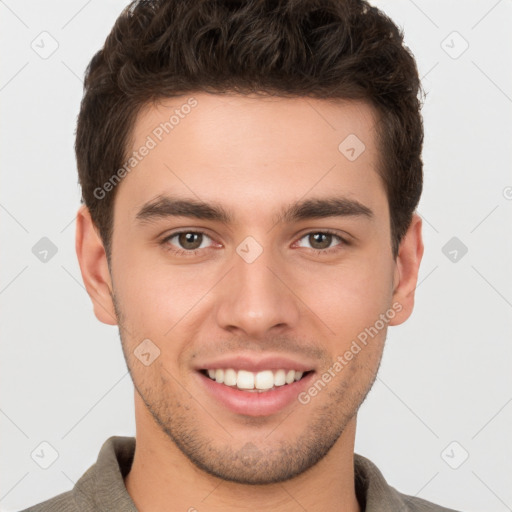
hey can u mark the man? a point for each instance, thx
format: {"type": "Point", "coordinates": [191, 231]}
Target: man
{"type": "Point", "coordinates": [250, 173]}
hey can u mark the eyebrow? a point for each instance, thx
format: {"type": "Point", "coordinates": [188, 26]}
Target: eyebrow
{"type": "Point", "coordinates": [316, 208]}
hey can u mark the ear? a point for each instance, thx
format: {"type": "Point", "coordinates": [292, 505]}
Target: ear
{"type": "Point", "coordinates": [94, 267]}
{"type": "Point", "coordinates": [406, 270]}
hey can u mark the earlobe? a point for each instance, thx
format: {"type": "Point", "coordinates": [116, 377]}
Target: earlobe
{"type": "Point", "coordinates": [94, 267]}
{"type": "Point", "coordinates": [406, 270]}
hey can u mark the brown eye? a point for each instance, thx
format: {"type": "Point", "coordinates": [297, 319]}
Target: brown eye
{"type": "Point", "coordinates": [320, 240]}
{"type": "Point", "coordinates": [190, 240]}
{"type": "Point", "coordinates": [184, 242]}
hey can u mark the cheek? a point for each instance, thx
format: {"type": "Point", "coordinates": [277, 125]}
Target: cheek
{"type": "Point", "coordinates": [154, 297]}
{"type": "Point", "coordinates": [350, 298]}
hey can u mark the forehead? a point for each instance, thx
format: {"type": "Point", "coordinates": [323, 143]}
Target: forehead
{"type": "Point", "coordinates": [252, 151]}
{"type": "Point", "coordinates": [213, 120]}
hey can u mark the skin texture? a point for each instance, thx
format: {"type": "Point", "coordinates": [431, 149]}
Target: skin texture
{"type": "Point", "coordinates": [253, 156]}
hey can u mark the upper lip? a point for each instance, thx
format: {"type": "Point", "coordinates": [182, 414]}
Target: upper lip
{"type": "Point", "coordinates": [252, 364]}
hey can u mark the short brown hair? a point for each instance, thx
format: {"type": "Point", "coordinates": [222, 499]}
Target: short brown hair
{"type": "Point", "coordinates": [324, 49]}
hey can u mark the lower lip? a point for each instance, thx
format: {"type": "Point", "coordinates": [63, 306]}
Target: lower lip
{"type": "Point", "coordinates": [253, 403]}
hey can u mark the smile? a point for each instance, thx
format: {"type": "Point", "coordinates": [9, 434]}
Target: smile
{"type": "Point", "coordinates": [261, 381]}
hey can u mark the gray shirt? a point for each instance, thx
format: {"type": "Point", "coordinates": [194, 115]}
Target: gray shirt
{"type": "Point", "coordinates": [101, 487]}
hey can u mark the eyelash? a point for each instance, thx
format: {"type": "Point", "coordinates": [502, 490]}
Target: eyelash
{"type": "Point", "coordinates": [318, 252]}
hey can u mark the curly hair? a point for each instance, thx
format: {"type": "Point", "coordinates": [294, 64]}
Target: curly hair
{"type": "Point", "coordinates": [325, 49]}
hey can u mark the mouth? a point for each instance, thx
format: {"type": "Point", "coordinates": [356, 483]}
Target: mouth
{"type": "Point", "coordinates": [257, 382]}
{"type": "Point", "coordinates": [261, 393]}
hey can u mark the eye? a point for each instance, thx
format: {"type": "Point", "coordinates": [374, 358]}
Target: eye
{"type": "Point", "coordinates": [320, 241]}
{"type": "Point", "coordinates": [187, 242]}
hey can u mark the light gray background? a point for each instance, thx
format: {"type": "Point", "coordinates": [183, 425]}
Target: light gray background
{"type": "Point", "coordinates": [446, 373]}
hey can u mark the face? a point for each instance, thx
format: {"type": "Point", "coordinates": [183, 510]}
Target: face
{"type": "Point", "coordinates": [253, 236]}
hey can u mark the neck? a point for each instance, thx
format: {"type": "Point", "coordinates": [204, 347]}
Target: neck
{"type": "Point", "coordinates": [163, 478]}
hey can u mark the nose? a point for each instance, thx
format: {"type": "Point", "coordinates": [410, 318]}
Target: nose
{"type": "Point", "coordinates": [257, 298]}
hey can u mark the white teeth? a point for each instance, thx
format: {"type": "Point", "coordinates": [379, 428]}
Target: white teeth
{"type": "Point", "coordinates": [280, 378]}
{"type": "Point", "coordinates": [260, 381]}
{"type": "Point", "coordinates": [290, 376]}
{"type": "Point", "coordinates": [230, 377]}
{"type": "Point", "coordinates": [264, 380]}
{"type": "Point", "coordinates": [244, 380]}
